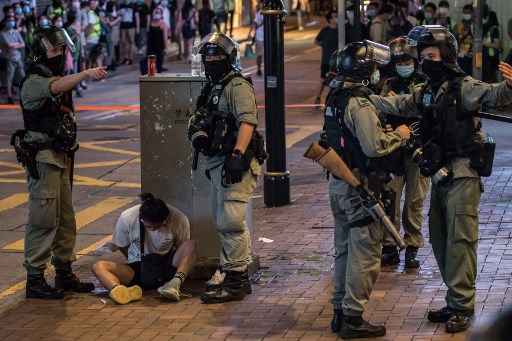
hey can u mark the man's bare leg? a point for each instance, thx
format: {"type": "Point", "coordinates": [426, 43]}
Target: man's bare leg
{"type": "Point", "coordinates": [115, 277]}
{"type": "Point", "coordinates": [183, 261]}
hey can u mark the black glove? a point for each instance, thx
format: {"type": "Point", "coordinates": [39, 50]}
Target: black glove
{"type": "Point", "coordinates": [234, 168]}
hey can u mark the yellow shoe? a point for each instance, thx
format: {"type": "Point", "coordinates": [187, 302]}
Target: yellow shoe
{"type": "Point", "coordinates": [123, 295]}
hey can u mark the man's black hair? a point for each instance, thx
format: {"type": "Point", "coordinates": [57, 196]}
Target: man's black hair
{"type": "Point", "coordinates": [329, 14]}
{"type": "Point", "coordinates": [444, 3]}
{"type": "Point", "coordinates": [431, 5]}
{"type": "Point", "coordinates": [153, 210]}
{"type": "Point", "coordinates": [468, 7]}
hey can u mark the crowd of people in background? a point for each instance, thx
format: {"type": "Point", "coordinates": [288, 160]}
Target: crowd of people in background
{"type": "Point", "coordinates": [384, 20]}
{"type": "Point", "coordinates": [108, 33]}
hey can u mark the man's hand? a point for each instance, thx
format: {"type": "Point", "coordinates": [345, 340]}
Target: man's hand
{"type": "Point", "coordinates": [506, 72]}
{"type": "Point", "coordinates": [234, 168]}
{"type": "Point", "coordinates": [95, 73]}
{"type": "Point", "coordinates": [404, 131]}
{"type": "Point", "coordinates": [391, 93]}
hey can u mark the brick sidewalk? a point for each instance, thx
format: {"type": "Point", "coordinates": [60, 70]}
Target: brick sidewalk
{"type": "Point", "coordinates": [291, 297]}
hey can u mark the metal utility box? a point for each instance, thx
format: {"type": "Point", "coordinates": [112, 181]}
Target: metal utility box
{"type": "Point", "coordinates": [166, 103]}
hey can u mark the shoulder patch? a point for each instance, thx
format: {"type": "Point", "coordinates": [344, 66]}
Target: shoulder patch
{"type": "Point", "coordinates": [363, 102]}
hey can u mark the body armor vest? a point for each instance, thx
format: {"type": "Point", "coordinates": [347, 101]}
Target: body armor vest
{"type": "Point", "coordinates": [447, 124]}
{"type": "Point", "coordinates": [54, 118]}
{"type": "Point", "coordinates": [402, 86]}
{"type": "Point", "coordinates": [341, 139]}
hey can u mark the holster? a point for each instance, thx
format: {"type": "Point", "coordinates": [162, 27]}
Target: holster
{"type": "Point", "coordinates": [26, 152]}
{"type": "Point", "coordinates": [483, 159]}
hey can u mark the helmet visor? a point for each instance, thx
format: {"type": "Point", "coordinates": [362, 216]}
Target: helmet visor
{"type": "Point", "coordinates": [377, 53]}
{"type": "Point", "coordinates": [57, 38]}
{"type": "Point", "coordinates": [221, 40]}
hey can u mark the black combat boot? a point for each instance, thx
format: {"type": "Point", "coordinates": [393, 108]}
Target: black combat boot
{"type": "Point", "coordinates": [38, 288]}
{"type": "Point", "coordinates": [459, 321]}
{"type": "Point", "coordinates": [440, 316]}
{"type": "Point", "coordinates": [66, 280]}
{"type": "Point", "coordinates": [232, 289]}
{"type": "Point", "coordinates": [390, 256]}
{"type": "Point", "coordinates": [337, 320]}
{"type": "Point", "coordinates": [246, 283]}
{"type": "Point", "coordinates": [354, 327]}
{"type": "Point", "coordinates": [410, 258]}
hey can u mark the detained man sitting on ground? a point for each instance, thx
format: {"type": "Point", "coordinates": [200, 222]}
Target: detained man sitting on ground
{"type": "Point", "coordinates": [168, 253]}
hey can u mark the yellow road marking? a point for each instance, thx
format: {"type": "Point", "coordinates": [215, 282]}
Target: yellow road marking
{"type": "Point", "coordinates": [83, 181]}
{"type": "Point", "coordinates": [99, 164]}
{"type": "Point", "coordinates": [10, 164]}
{"type": "Point", "coordinates": [84, 252]}
{"type": "Point", "coordinates": [13, 201]}
{"type": "Point", "coordinates": [84, 217]}
{"type": "Point", "coordinates": [12, 172]}
{"type": "Point", "coordinates": [6, 150]}
{"type": "Point", "coordinates": [94, 146]}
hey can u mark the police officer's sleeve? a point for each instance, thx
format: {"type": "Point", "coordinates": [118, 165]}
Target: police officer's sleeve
{"type": "Point", "coordinates": [362, 120]}
{"type": "Point", "coordinates": [35, 91]}
{"type": "Point", "coordinates": [400, 105]}
{"type": "Point", "coordinates": [476, 93]}
{"type": "Point", "coordinates": [242, 102]}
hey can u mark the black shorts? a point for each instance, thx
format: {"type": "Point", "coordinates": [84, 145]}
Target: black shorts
{"type": "Point", "coordinates": [324, 70]}
{"type": "Point", "coordinates": [165, 274]}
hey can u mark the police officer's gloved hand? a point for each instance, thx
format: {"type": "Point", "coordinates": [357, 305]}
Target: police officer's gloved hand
{"type": "Point", "coordinates": [234, 168]}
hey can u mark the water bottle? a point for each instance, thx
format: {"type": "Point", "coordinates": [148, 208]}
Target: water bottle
{"type": "Point", "coordinates": [196, 66]}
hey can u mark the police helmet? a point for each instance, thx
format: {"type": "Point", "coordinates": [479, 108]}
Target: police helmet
{"type": "Point", "coordinates": [356, 60]}
{"type": "Point", "coordinates": [421, 37]}
{"type": "Point", "coordinates": [49, 38]}
{"type": "Point", "coordinates": [400, 50]}
{"type": "Point", "coordinates": [218, 44]}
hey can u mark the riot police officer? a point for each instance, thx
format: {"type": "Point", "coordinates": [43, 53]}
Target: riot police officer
{"type": "Point", "coordinates": [223, 129]}
{"type": "Point", "coordinates": [353, 129]}
{"type": "Point", "coordinates": [454, 153]}
{"type": "Point", "coordinates": [406, 78]}
{"type": "Point", "coordinates": [46, 147]}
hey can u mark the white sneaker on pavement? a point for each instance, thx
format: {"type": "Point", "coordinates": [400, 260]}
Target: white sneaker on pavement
{"type": "Point", "coordinates": [171, 290]}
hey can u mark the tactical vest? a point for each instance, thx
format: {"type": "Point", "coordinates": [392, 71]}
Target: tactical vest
{"type": "Point", "coordinates": [54, 118]}
{"type": "Point", "coordinates": [223, 126]}
{"type": "Point", "coordinates": [339, 137]}
{"type": "Point", "coordinates": [447, 124]}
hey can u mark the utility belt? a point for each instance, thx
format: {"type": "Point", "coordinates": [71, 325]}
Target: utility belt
{"type": "Point", "coordinates": [26, 152]}
{"type": "Point", "coordinates": [433, 162]}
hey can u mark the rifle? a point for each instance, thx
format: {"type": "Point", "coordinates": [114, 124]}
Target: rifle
{"type": "Point", "coordinates": [332, 162]}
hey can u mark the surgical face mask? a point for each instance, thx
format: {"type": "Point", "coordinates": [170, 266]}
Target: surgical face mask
{"type": "Point", "coordinates": [76, 4]}
{"type": "Point", "coordinates": [466, 17]}
{"type": "Point", "coordinates": [350, 17]}
{"type": "Point", "coordinates": [405, 71]}
{"type": "Point", "coordinates": [375, 77]}
{"type": "Point", "coordinates": [27, 10]}
{"type": "Point", "coordinates": [429, 15]}
{"type": "Point", "coordinates": [44, 23]}
{"type": "Point", "coordinates": [434, 69]}
{"type": "Point", "coordinates": [157, 16]}
{"type": "Point", "coordinates": [18, 11]}
{"type": "Point", "coordinates": [165, 3]}
{"type": "Point", "coordinates": [371, 12]}
{"type": "Point", "coordinates": [216, 70]}
{"type": "Point", "coordinates": [10, 24]}
{"type": "Point", "coordinates": [59, 24]}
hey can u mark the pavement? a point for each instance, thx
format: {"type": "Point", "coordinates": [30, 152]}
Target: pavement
{"type": "Point", "coordinates": [291, 299]}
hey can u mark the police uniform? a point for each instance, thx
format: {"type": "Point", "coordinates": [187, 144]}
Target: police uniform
{"type": "Point", "coordinates": [357, 237]}
{"type": "Point", "coordinates": [46, 149]}
{"type": "Point", "coordinates": [51, 228]}
{"type": "Point", "coordinates": [416, 185]}
{"type": "Point", "coordinates": [229, 203]}
{"type": "Point", "coordinates": [453, 216]}
{"type": "Point", "coordinates": [227, 101]}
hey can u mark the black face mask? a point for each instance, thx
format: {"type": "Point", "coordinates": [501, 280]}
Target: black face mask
{"type": "Point", "coordinates": [434, 70]}
{"type": "Point", "coordinates": [216, 70]}
{"type": "Point", "coordinates": [56, 65]}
